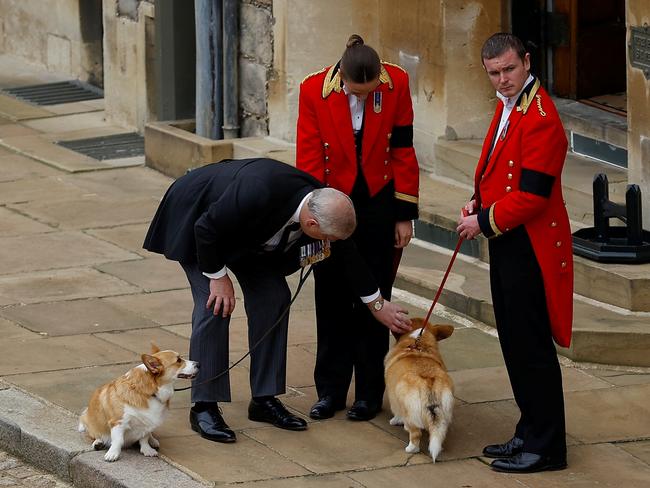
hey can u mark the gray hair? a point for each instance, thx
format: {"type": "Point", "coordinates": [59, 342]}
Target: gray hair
{"type": "Point", "coordinates": [334, 212]}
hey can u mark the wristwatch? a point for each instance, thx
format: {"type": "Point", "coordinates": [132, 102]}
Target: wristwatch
{"type": "Point", "coordinates": [378, 304]}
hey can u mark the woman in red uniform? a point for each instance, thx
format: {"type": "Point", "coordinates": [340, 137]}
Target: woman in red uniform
{"type": "Point", "coordinates": [355, 134]}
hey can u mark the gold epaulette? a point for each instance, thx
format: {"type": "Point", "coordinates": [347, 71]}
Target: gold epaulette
{"type": "Point", "coordinates": [312, 74]}
{"type": "Point", "coordinates": [527, 98]}
{"type": "Point", "coordinates": [394, 65]}
{"type": "Point", "coordinates": [332, 81]}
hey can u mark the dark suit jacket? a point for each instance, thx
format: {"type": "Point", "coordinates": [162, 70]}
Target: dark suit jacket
{"type": "Point", "coordinates": [218, 214]}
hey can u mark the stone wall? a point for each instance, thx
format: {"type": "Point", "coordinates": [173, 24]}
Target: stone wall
{"type": "Point", "coordinates": [255, 65]}
{"type": "Point", "coordinates": [638, 115]}
{"type": "Point", "coordinates": [437, 42]}
{"type": "Point", "coordinates": [129, 62]}
{"type": "Point", "coordinates": [63, 36]}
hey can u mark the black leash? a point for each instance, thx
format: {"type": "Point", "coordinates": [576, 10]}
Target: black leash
{"type": "Point", "coordinates": [303, 278]}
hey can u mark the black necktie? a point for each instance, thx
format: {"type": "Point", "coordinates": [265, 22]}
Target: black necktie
{"type": "Point", "coordinates": [284, 238]}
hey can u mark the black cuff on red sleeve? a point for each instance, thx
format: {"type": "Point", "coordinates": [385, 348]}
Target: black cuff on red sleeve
{"type": "Point", "coordinates": [484, 223]}
{"type": "Point", "coordinates": [405, 210]}
{"type": "Point", "coordinates": [401, 136]}
{"type": "Point", "coordinates": [536, 182]}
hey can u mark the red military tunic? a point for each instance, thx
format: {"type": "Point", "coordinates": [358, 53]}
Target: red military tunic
{"type": "Point", "coordinates": [521, 185]}
{"type": "Point", "coordinates": [325, 139]}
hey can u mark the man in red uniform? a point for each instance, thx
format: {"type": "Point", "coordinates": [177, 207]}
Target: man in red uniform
{"type": "Point", "coordinates": [518, 205]}
{"type": "Point", "coordinates": [355, 134]}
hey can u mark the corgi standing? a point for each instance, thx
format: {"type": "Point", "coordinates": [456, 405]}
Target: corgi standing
{"type": "Point", "coordinates": [419, 389]}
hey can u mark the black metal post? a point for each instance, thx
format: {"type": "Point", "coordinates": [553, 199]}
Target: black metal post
{"type": "Point", "coordinates": [601, 199]}
{"type": "Point", "coordinates": [634, 215]}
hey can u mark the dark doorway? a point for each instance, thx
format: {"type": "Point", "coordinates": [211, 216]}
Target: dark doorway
{"type": "Point", "coordinates": [585, 39]}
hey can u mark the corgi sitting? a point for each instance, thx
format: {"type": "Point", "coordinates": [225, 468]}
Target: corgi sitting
{"type": "Point", "coordinates": [419, 389]}
{"type": "Point", "coordinates": [131, 407]}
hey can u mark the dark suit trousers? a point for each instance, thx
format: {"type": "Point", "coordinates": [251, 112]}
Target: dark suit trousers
{"type": "Point", "coordinates": [526, 342]}
{"type": "Point", "coordinates": [349, 337]}
{"type": "Point", "coordinates": [266, 296]}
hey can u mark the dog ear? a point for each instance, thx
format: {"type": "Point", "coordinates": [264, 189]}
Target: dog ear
{"type": "Point", "coordinates": [154, 348]}
{"type": "Point", "coordinates": [442, 331]}
{"type": "Point", "coordinates": [152, 363]}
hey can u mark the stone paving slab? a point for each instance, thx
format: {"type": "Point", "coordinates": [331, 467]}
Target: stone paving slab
{"type": "Point", "coordinates": [57, 353]}
{"type": "Point", "coordinates": [15, 473]}
{"type": "Point", "coordinates": [470, 348]}
{"type": "Point", "coordinates": [491, 384]}
{"type": "Point", "coordinates": [90, 212]}
{"type": "Point", "coordinates": [16, 130]}
{"type": "Point", "coordinates": [245, 460]}
{"type": "Point", "coordinates": [15, 109]}
{"type": "Point", "coordinates": [15, 166]}
{"type": "Point", "coordinates": [19, 254]}
{"type": "Point", "coordinates": [57, 387]}
{"type": "Point", "coordinates": [621, 377]}
{"type": "Point", "coordinates": [46, 435]}
{"type": "Point", "coordinates": [91, 471]}
{"type": "Point", "coordinates": [129, 237]}
{"type": "Point", "coordinates": [38, 189]}
{"type": "Point", "coordinates": [640, 450]}
{"type": "Point", "coordinates": [315, 481]}
{"type": "Point", "coordinates": [151, 274]}
{"type": "Point", "coordinates": [68, 123]}
{"type": "Point", "coordinates": [66, 284]}
{"type": "Point", "coordinates": [75, 317]}
{"type": "Point", "coordinates": [76, 107]}
{"type": "Point", "coordinates": [621, 413]}
{"type": "Point", "coordinates": [122, 183]}
{"type": "Point", "coordinates": [14, 224]}
{"type": "Point", "coordinates": [165, 308]}
{"type": "Point", "coordinates": [10, 331]}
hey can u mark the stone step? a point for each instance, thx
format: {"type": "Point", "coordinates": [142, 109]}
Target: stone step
{"type": "Point", "coordinates": [621, 285]}
{"type": "Point", "coordinates": [457, 160]}
{"type": "Point", "coordinates": [601, 333]}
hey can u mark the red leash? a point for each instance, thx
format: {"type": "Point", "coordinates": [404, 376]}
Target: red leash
{"type": "Point", "coordinates": [442, 285]}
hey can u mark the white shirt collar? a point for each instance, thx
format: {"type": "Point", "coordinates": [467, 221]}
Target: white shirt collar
{"type": "Point", "coordinates": [509, 102]}
{"type": "Point", "coordinates": [296, 215]}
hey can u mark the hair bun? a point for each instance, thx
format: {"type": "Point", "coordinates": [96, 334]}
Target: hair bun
{"type": "Point", "coordinates": [355, 40]}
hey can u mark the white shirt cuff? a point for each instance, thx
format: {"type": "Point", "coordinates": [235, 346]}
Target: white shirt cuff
{"type": "Point", "coordinates": [371, 298]}
{"type": "Point", "coordinates": [219, 274]}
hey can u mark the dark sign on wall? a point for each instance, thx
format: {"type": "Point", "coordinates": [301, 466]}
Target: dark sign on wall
{"type": "Point", "coordinates": [640, 49]}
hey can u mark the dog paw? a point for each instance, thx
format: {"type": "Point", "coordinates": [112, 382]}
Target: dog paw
{"type": "Point", "coordinates": [396, 421]}
{"type": "Point", "coordinates": [153, 442]}
{"type": "Point", "coordinates": [148, 451]}
{"type": "Point", "coordinates": [412, 448]}
{"type": "Point", "coordinates": [98, 445]}
{"type": "Point", "coordinates": [112, 455]}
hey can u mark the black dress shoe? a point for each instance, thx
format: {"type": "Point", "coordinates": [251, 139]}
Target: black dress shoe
{"type": "Point", "coordinates": [509, 449]}
{"type": "Point", "coordinates": [325, 408]}
{"type": "Point", "coordinates": [211, 425]}
{"type": "Point", "coordinates": [528, 462]}
{"type": "Point", "coordinates": [272, 411]}
{"type": "Point", "coordinates": [363, 410]}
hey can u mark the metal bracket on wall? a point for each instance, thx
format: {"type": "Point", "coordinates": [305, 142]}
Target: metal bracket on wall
{"type": "Point", "coordinates": [640, 49]}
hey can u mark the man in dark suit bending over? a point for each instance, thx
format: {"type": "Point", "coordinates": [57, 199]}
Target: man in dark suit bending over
{"type": "Point", "coordinates": [250, 217]}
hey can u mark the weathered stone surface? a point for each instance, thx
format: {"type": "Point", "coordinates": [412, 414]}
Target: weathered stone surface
{"type": "Point", "coordinates": [25, 253]}
{"type": "Point", "coordinates": [130, 471]}
{"type": "Point", "coordinates": [48, 434]}
{"type": "Point", "coordinates": [14, 224]}
{"type": "Point", "coordinates": [75, 317]}
{"type": "Point", "coordinates": [150, 274]}
{"type": "Point", "coordinates": [233, 459]}
{"type": "Point", "coordinates": [256, 41]}
{"type": "Point", "coordinates": [253, 83]}
{"type": "Point", "coordinates": [164, 308]}
{"type": "Point", "coordinates": [66, 284]}
{"type": "Point", "coordinates": [129, 237]}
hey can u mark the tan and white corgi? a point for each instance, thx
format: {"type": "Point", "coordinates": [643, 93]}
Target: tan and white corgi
{"type": "Point", "coordinates": [420, 391]}
{"type": "Point", "coordinates": [129, 408]}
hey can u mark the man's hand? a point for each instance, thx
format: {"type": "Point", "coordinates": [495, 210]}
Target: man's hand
{"type": "Point", "coordinates": [468, 227]}
{"type": "Point", "coordinates": [394, 317]}
{"type": "Point", "coordinates": [403, 233]}
{"type": "Point", "coordinates": [222, 294]}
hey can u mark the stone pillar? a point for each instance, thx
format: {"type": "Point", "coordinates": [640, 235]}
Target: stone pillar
{"type": "Point", "coordinates": [129, 88]}
{"type": "Point", "coordinates": [638, 114]}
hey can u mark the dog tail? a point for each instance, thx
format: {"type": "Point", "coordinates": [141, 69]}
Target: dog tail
{"type": "Point", "coordinates": [82, 421]}
{"type": "Point", "coordinates": [441, 406]}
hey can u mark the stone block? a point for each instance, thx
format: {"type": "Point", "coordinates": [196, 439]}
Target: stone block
{"type": "Point", "coordinates": [172, 150]}
{"type": "Point", "coordinates": [48, 436]}
{"type": "Point", "coordinates": [256, 40]}
{"type": "Point", "coordinates": [254, 126]}
{"type": "Point", "coordinates": [130, 471]}
{"type": "Point", "coordinates": [252, 87]}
